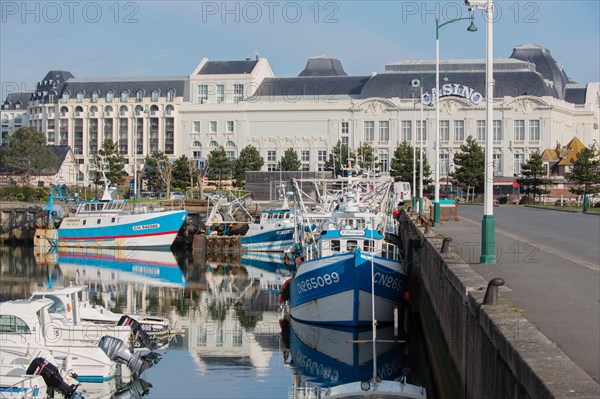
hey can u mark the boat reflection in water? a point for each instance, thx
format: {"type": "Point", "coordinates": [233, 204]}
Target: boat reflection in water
{"type": "Point", "coordinates": [152, 268]}
{"type": "Point", "coordinates": [328, 356]}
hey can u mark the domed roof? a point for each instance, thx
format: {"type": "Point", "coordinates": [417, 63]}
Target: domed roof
{"type": "Point", "coordinates": [323, 66]}
{"type": "Point", "coordinates": [544, 63]}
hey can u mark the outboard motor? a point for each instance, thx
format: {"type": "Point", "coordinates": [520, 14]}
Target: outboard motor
{"type": "Point", "coordinates": [136, 389]}
{"type": "Point", "coordinates": [118, 352]}
{"type": "Point", "coordinates": [142, 336]}
{"type": "Point", "coordinates": [52, 377]}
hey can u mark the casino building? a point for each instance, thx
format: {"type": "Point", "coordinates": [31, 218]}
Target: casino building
{"type": "Point", "coordinates": [232, 104]}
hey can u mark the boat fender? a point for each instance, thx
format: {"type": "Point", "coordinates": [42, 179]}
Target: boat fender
{"type": "Point", "coordinates": [284, 295]}
{"type": "Point", "coordinates": [52, 377]}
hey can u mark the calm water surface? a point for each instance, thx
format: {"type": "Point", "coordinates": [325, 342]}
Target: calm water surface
{"type": "Point", "coordinates": [233, 341]}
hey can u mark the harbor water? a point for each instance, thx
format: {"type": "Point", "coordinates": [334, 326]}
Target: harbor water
{"type": "Point", "coordinates": [233, 340]}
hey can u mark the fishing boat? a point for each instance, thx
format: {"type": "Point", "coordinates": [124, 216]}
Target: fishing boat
{"type": "Point", "coordinates": [333, 284]}
{"type": "Point", "coordinates": [273, 232]}
{"type": "Point", "coordinates": [107, 223]}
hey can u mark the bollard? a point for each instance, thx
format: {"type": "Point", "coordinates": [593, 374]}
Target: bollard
{"type": "Point", "coordinates": [426, 228]}
{"type": "Point", "coordinates": [491, 293]}
{"type": "Point", "coordinates": [446, 244]}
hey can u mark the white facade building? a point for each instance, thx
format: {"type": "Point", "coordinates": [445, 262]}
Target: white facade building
{"type": "Point", "coordinates": [232, 104]}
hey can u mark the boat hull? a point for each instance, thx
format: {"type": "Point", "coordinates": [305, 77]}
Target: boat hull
{"type": "Point", "coordinates": [269, 241]}
{"type": "Point", "coordinates": [336, 290]}
{"type": "Point", "coordinates": [144, 230]}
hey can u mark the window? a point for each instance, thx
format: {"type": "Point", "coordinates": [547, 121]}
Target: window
{"type": "Point", "coordinates": [230, 155]}
{"type": "Point", "coordinates": [369, 128]}
{"type": "Point", "coordinates": [459, 130]}
{"type": "Point", "coordinates": [444, 163]}
{"type": "Point", "coordinates": [170, 95]}
{"type": "Point", "coordinates": [66, 95]}
{"type": "Point", "coordinates": [480, 131]}
{"type": "Point", "coordinates": [498, 130]}
{"type": "Point", "coordinates": [13, 324]}
{"type": "Point", "coordinates": [345, 141]}
{"type": "Point", "coordinates": [202, 94]}
{"type": "Point", "coordinates": [345, 128]}
{"type": "Point", "coordinates": [271, 156]}
{"type": "Point", "coordinates": [79, 97]}
{"type": "Point", "coordinates": [230, 144]}
{"type": "Point", "coordinates": [110, 95]}
{"type": "Point", "coordinates": [322, 155]}
{"type": "Point", "coordinates": [214, 144]}
{"type": "Point", "coordinates": [519, 159]}
{"type": "Point", "coordinates": [271, 167]}
{"type": "Point", "coordinates": [384, 130]}
{"type": "Point", "coordinates": [220, 93]}
{"type": "Point", "coordinates": [124, 96]}
{"type": "Point", "coordinates": [197, 143]}
{"type": "Point", "coordinates": [422, 130]}
{"type": "Point", "coordinates": [154, 95]}
{"type": "Point", "coordinates": [534, 130]}
{"type": "Point", "coordinates": [444, 130]}
{"type": "Point", "coordinates": [497, 161]}
{"type": "Point", "coordinates": [139, 95]}
{"type": "Point", "coordinates": [230, 127]}
{"type": "Point", "coordinates": [212, 126]}
{"type": "Point", "coordinates": [196, 154]}
{"type": "Point", "coordinates": [407, 130]}
{"type": "Point", "coordinates": [95, 96]}
{"type": "Point", "coordinates": [238, 92]}
{"type": "Point", "coordinates": [196, 126]}
{"type": "Point", "coordinates": [519, 130]}
{"type": "Point", "coordinates": [305, 155]}
{"type": "Point", "coordinates": [384, 162]}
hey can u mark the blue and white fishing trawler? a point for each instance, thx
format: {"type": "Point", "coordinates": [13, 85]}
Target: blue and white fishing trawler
{"type": "Point", "coordinates": [107, 223]}
{"type": "Point", "coordinates": [347, 260]}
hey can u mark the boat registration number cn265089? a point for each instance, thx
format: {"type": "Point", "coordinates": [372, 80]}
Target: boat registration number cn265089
{"type": "Point", "coordinates": [313, 283]}
{"type": "Point", "coordinates": [146, 227]}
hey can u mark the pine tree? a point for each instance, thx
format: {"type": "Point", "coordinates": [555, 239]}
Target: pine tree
{"type": "Point", "coordinates": [289, 161]}
{"type": "Point", "coordinates": [367, 159]}
{"type": "Point", "coordinates": [469, 171]}
{"type": "Point", "coordinates": [151, 171]}
{"type": "Point", "coordinates": [111, 161]}
{"type": "Point", "coordinates": [249, 160]}
{"type": "Point", "coordinates": [182, 176]}
{"type": "Point", "coordinates": [219, 167]}
{"type": "Point", "coordinates": [585, 173]}
{"type": "Point", "coordinates": [402, 164]}
{"type": "Point", "coordinates": [338, 158]}
{"type": "Point", "coordinates": [533, 176]}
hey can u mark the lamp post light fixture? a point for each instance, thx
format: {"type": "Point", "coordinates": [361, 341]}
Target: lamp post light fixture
{"type": "Point", "coordinates": [488, 223]}
{"type": "Point", "coordinates": [438, 27]}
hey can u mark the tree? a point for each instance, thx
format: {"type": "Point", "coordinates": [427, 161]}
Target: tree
{"type": "Point", "coordinates": [28, 154]}
{"type": "Point", "coordinates": [402, 165]}
{"type": "Point", "coordinates": [366, 157]}
{"type": "Point", "coordinates": [469, 171]}
{"type": "Point", "coordinates": [585, 174]}
{"type": "Point", "coordinates": [249, 160]}
{"type": "Point", "coordinates": [219, 166]}
{"type": "Point", "coordinates": [182, 176]}
{"type": "Point", "coordinates": [289, 161]}
{"type": "Point", "coordinates": [338, 158]}
{"type": "Point", "coordinates": [111, 161]}
{"type": "Point", "coordinates": [154, 181]}
{"type": "Point", "coordinates": [534, 176]}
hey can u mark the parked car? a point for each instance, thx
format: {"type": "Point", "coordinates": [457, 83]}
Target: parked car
{"type": "Point", "coordinates": [147, 194]}
{"type": "Point", "coordinates": [177, 195]}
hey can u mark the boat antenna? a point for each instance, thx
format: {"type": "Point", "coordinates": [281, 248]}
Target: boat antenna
{"type": "Point", "coordinates": [374, 321]}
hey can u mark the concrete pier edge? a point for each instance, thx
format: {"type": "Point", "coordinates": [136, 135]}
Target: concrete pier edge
{"type": "Point", "coordinates": [495, 351]}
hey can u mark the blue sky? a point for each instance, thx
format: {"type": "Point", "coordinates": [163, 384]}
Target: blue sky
{"type": "Point", "coordinates": [160, 38]}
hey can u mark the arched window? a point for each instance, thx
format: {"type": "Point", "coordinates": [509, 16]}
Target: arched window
{"type": "Point", "coordinates": [154, 95]}
{"type": "Point", "coordinates": [95, 95]}
{"type": "Point", "coordinates": [66, 96]}
{"type": "Point", "coordinates": [170, 95]}
{"type": "Point", "coordinates": [153, 109]}
{"type": "Point", "coordinates": [110, 95]}
{"type": "Point", "coordinates": [78, 109]}
{"type": "Point", "coordinates": [230, 144]}
{"type": "Point", "coordinates": [138, 109]}
{"type": "Point", "coordinates": [5, 118]}
{"type": "Point", "coordinates": [139, 95]}
{"type": "Point", "coordinates": [213, 143]}
{"type": "Point", "coordinates": [169, 109]}
{"type": "Point", "coordinates": [80, 94]}
{"type": "Point", "coordinates": [124, 96]}
{"type": "Point", "coordinates": [64, 111]}
{"type": "Point", "coordinates": [197, 144]}
{"type": "Point", "coordinates": [123, 110]}
{"type": "Point", "coordinates": [93, 109]}
{"type": "Point", "coordinates": [108, 108]}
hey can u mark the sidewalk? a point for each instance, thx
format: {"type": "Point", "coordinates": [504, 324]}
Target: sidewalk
{"type": "Point", "coordinates": [556, 287]}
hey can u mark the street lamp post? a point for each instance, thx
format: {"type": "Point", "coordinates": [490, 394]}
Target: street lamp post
{"type": "Point", "coordinates": [414, 157]}
{"type": "Point", "coordinates": [438, 27]}
{"type": "Point", "coordinates": [488, 224]}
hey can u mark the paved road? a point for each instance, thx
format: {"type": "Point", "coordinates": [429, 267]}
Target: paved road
{"type": "Point", "coordinates": [551, 264]}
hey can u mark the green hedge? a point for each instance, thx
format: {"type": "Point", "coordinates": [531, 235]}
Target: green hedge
{"type": "Point", "coordinates": [23, 193]}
